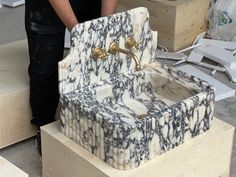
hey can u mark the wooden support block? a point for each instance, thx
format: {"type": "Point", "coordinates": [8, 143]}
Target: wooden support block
{"type": "Point", "coordinates": [15, 113]}
{"type": "Point", "coordinates": [208, 155]}
{"type": "Point", "coordinates": [178, 22]}
{"type": "Point", "coordinates": [7, 169]}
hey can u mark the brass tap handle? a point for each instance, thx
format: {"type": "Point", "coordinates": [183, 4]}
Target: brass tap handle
{"type": "Point", "coordinates": [130, 43]}
{"type": "Point", "coordinates": [100, 53]}
{"type": "Point", "coordinates": [114, 48]}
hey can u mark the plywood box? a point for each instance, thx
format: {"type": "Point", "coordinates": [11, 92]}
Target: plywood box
{"type": "Point", "coordinates": [15, 113]}
{"type": "Point", "coordinates": [207, 155]}
{"type": "Point", "coordinates": [7, 169]}
{"type": "Point", "coordinates": [177, 21]}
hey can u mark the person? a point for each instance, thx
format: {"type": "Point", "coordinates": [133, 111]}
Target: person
{"type": "Point", "coordinates": [45, 23]}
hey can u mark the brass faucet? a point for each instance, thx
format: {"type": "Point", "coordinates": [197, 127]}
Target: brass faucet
{"type": "Point", "coordinates": [114, 48]}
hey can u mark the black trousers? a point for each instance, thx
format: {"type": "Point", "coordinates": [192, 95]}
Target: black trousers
{"type": "Point", "coordinates": [45, 33]}
{"type": "Point", "coordinates": [45, 51]}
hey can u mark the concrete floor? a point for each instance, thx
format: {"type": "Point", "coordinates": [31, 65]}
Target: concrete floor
{"type": "Point", "coordinates": [24, 154]}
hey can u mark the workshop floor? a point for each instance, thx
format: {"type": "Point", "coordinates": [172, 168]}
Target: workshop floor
{"type": "Point", "coordinates": [24, 154]}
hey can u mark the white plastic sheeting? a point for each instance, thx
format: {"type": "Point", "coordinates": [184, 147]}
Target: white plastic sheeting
{"type": "Point", "coordinates": [222, 20]}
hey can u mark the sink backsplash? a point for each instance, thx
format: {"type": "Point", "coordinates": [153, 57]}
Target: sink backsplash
{"type": "Point", "coordinates": [79, 69]}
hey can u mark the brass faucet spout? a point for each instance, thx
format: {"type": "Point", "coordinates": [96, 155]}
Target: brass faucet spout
{"type": "Point", "coordinates": [114, 48]}
{"type": "Point", "coordinates": [137, 62]}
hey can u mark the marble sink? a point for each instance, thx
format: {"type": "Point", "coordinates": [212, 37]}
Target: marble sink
{"type": "Point", "coordinates": [127, 117]}
{"type": "Point", "coordinates": [135, 116]}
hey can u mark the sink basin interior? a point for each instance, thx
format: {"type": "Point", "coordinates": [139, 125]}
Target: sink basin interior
{"type": "Point", "coordinates": [134, 94]}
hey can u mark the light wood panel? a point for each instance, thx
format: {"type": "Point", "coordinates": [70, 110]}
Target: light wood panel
{"type": "Point", "coordinates": [15, 113]}
{"type": "Point", "coordinates": [7, 169]}
{"type": "Point", "coordinates": [207, 155]}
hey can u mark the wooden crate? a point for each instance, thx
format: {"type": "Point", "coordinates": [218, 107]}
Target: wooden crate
{"type": "Point", "coordinates": [208, 155]}
{"type": "Point", "coordinates": [7, 169]}
{"type": "Point", "coordinates": [177, 21]}
{"type": "Point", "coordinates": [15, 113]}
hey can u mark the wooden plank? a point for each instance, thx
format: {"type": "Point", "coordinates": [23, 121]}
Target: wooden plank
{"type": "Point", "coordinates": [206, 155]}
{"type": "Point", "coordinates": [7, 169]}
{"type": "Point", "coordinates": [15, 113]}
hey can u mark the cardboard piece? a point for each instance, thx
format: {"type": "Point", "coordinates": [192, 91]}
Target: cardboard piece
{"type": "Point", "coordinates": [7, 169]}
{"type": "Point", "coordinates": [200, 157]}
{"type": "Point", "coordinates": [15, 113]}
{"type": "Point", "coordinates": [222, 91]}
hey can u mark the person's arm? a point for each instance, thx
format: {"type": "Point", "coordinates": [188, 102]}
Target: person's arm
{"type": "Point", "coordinates": [109, 7]}
{"type": "Point", "coordinates": [65, 12]}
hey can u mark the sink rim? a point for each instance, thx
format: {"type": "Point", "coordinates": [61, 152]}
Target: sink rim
{"type": "Point", "coordinates": [101, 106]}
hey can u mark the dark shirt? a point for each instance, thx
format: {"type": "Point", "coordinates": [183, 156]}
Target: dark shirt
{"type": "Point", "coordinates": [40, 16]}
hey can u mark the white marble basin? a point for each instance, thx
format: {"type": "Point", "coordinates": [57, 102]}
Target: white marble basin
{"type": "Point", "coordinates": [122, 116]}
{"type": "Point", "coordinates": [129, 119]}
